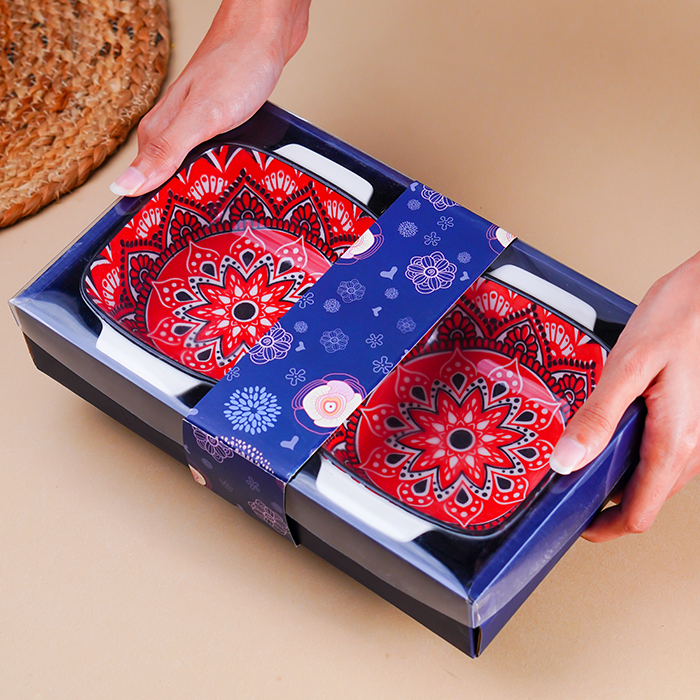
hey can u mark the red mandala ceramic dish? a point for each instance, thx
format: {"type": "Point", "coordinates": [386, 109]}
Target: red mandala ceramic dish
{"type": "Point", "coordinates": [218, 255]}
{"type": "Point", "coordinates": [461, 430]}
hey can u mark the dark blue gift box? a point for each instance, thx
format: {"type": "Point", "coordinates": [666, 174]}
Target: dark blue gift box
{"type": "Point", "coordinates": [252, 437]}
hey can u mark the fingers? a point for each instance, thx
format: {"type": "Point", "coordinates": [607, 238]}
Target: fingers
{"type": "Point", "coordinates": [166, 134]}
{"type": "Point", "coordinates": [163, 114]}
{"type": "Point", "coordinates": [625, 377]}
{"type": "Point", "coordinates": [189, 115]}
{"type": "Point", "coordinates": [641, 502]}
{"type": "Point", "coordinates": [669, 458]}
{"type": "Point", "coordinates": [185, 118]}
{"type": "Point", "coordinates": [664, 330]}
{"type": "Point", "coordinates": [691, 471]}
{"type": "Point", "coordinates": [655, 357]}
{"type": "Point", "coordinates": [161, 155]}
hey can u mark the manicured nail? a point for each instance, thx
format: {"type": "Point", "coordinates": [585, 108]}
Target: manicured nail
{"type": "Point", "coordinates": [567, 455]}
{"type": "Point", "coordinates": [128, 182]}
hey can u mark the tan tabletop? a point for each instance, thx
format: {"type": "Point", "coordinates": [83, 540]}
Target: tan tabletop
{"type": "Point", "coordinates": [573, 125]}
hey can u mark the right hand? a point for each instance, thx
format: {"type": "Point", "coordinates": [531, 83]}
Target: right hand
{"type": "Point", "coordinates": [230, 75]}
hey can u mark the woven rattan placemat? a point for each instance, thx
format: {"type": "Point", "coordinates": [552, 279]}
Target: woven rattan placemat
{"type": "Point", "coordinates": [75, 76]}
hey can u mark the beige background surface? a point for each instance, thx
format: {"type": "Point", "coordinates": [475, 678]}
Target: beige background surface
{"type": "Point", "coordinates": [574, 125]}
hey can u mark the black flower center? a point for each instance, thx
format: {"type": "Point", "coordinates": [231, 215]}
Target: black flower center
{"type": "Point", "coordinates": [244, 311]}
{"type": "Point", "coordinates": [460, 439]}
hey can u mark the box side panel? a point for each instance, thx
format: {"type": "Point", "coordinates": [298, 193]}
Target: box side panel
{"type": "Point", "coordinates": [556, 521]}
{"type": "Point", "coordinates": [459, 635]}
{"type": "Point", "coordinates": [62, 374]}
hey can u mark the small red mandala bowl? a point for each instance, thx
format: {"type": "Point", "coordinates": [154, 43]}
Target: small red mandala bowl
{"type": "Point", "coordinates": [461, 431]}
{"type": "Point", "coordinates": [218, 255]}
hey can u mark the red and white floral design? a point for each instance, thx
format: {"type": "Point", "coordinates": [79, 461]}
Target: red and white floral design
{"type": "Point", "coordinates": [462, 429]}
{"type": "Point", "coordinates": [219, 254]}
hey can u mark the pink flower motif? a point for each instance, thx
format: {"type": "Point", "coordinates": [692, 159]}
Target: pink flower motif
{"type": "Point", "coordinates": [330, 404]}
{"type": "Point", "coordinates": [499, 238]}
{"type": "Point", "coordinates": [199, 478]}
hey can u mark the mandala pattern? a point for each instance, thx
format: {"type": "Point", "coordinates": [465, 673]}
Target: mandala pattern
{"type": "Point", "coordinates": [462, 429]}
{"type": "Point", "coordinates": [216, 257]}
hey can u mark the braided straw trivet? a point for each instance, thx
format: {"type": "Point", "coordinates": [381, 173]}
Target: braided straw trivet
{"type": "Point", "coordinates": [75, 76]}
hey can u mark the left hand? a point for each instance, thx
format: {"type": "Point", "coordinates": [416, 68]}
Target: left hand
{"type": "Point", "coordinates": [230, 75]}
{"type": "Point", "coordinates": [657, 356]}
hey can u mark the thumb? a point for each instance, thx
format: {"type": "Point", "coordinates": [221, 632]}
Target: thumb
{"type": "Point", "coordinates": [593, 425]}
{"type": "Point", "coordinates": [160, 157]}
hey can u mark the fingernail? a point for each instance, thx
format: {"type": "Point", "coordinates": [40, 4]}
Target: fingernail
{"type": "Point", "coordinates": [128, 182]}
{"type": "Point", "coordinates": [567, 455]}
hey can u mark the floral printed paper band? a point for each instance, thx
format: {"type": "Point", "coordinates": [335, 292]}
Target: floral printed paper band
{"type": "Point", "coordinates": [323, 357]}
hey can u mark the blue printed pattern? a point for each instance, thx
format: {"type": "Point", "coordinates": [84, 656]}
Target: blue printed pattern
{"type": "Point", "coordinates": [317, 365]}
{"type": "Point", "coordinates": [252, 409]}
{"type": "Point", "coordinates": [334, 340]}
{"type": "Point", "coordinates": [274, 345]}
{"type": "Point", "coordinates": [237, 478]}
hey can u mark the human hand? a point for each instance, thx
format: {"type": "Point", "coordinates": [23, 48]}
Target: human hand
{"type": "Point", "coordinates": [655, 357]}
{"type": "Point", "coordinates": [230, 75]}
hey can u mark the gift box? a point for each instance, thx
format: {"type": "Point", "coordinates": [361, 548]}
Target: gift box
{"type": "Point", "coordinates": [352, 358]}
